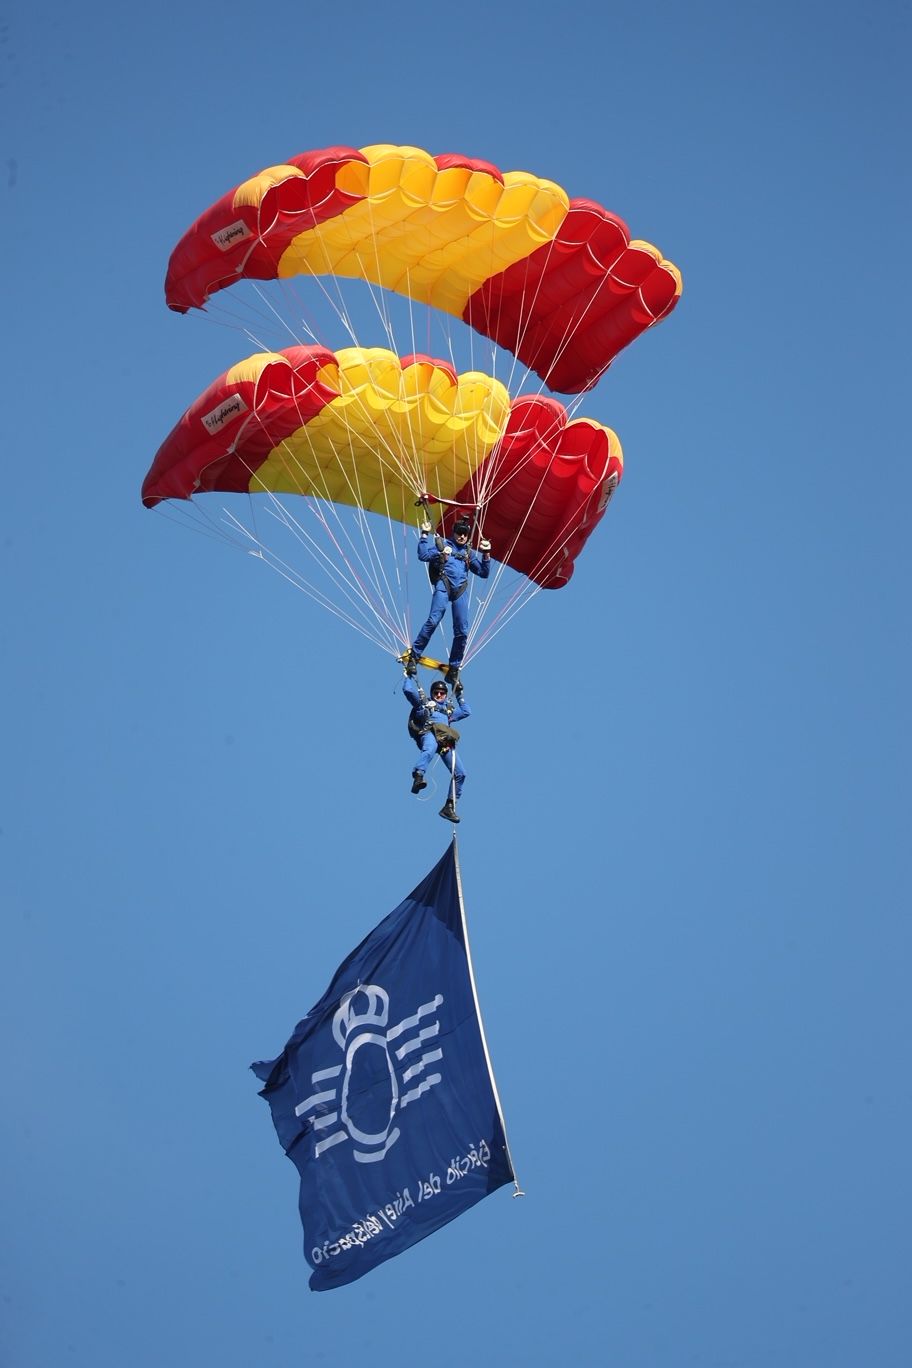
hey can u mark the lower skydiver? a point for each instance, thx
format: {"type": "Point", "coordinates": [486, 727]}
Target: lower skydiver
{"type": "Point", "coordinates": [430, 726]}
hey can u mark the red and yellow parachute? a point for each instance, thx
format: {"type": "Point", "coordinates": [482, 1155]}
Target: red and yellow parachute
{"type": "Point", "coordinates": [364, 428]}
{"type": "Point", "coordinates": [554, 280]}
{"type": "Point", "coordinates": [375, 443]}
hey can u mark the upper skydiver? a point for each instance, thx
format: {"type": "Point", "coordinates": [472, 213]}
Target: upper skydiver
{"type": "Point", "coordinates": [449, 561]}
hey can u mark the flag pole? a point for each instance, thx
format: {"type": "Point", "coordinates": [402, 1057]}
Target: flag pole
{"type": "Point", "coordinates": [517, 1190]}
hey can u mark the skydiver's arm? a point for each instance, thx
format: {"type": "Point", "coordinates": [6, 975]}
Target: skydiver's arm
{"type": "Point", "coordinates": [480, 564]}
{"type": "Point", "coordinates": [427, 548]}
{"type": "Point", "coordinates": [411, 691]}
{"type": "Point", "coordinates": [461, 710]}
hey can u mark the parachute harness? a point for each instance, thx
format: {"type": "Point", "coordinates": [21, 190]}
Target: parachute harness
{"type": "Point", "coordinates": [418, 729]}
{"type": "Point", "coordinates": [437, 569]}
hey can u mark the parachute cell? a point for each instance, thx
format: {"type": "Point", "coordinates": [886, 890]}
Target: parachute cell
{"type": "Point", "coordinates": [557, 281]}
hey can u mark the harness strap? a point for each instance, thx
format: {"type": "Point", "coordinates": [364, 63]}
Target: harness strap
{"type": "Point", "coordinates": [440, 571]}
{"type": "Point", "coordinates": [419, 729]}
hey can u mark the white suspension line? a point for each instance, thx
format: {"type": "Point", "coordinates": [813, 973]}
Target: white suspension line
{"type": "Point", "coordinates": [269, 557]}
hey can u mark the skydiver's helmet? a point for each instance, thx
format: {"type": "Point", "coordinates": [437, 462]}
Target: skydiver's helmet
{"type": "Point", "coordinates": [438, 689]}
{"type": "Point", "coordinates": [462, 527]}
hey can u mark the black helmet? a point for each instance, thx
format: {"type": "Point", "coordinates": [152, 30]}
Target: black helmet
{"type": "Point", "coordinates": [462, 524]}
{"type": "Point", "coordinates": [438, 686]}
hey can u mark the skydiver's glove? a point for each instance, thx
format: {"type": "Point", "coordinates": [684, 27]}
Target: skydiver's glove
{"type": "Point", "coordinates": [485, 546]}
{"type": "Point", "coordinates": [448, 550]}
{"type": "Point", "coordinates": [458, 689]}
{"type": "Point", "coordinates": [425, 528]}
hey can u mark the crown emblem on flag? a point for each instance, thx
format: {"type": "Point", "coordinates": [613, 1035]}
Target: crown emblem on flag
{"type": "Point", "coordinates": [399, 1072]}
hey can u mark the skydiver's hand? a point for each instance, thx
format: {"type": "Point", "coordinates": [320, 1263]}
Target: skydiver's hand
{"type": "Point", "coordinates": [425, 528]}
{"type": "Point", "coordinates": [458, 690]}
{"type": "Point", "coordinates": [485, 546]}
{"type": "Point", "coordinates": [448, 550]}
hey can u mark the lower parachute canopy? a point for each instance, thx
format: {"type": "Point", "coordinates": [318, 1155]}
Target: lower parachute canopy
{"type": "Point", "coordinates": [362, 427]}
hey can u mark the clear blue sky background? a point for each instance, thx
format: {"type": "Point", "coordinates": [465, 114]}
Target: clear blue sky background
{"type": "Point", "coordinates": [685, 834]}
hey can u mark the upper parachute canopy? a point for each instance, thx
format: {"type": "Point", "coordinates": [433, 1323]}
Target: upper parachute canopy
{"type": "Point", "coordinates": [556, 281]}
{"type": "Point", "coordinates": [362, 427]}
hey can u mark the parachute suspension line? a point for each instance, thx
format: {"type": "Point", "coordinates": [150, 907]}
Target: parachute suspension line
{"type": "Point", "coordinates": [195, 518]}
{"type": "Point", "coordinates": [335, 297]}
{"type": "Point", "coordinates": [528, 311]}
{"type": "Point", "coordinates": [517, 534]}
{"type": "Point", "coordinates": [378, 572]}
{"type": "Point", "coordinates": [338, 304]}
{"type": "Point", "coordinates": [376, 293]}
{"type": "Point", "coordinates": [379, 301]}
{"type": "Point", "coordinates": [482, 485]}
{"type": "Point", "coordinates": [398, 558]}
{"type": "Point", "coordinates": [525, 591]}
{"type": "Point", "coordinates": [297, 581]}
{"type": "Point", "coordinates": [388, 458]}
{"type": "Point", "coordinates": [375, 570]}
{"type": "Point", "coordinates": [411, 312]}
{"type": "Point", "coordinates": [419, 477]}
{"type": "Point", "coordinates": [520, 597]}
{"type": "Point", "coordinates": [419, 471]}
{"type": "Point", "coordinates": [352, 587]}
{"type": "Point", "coordinates": [400, 464]}
{"type": "Point", "coordinates": [356, 586]}
{"type": "Point", "coordinates": [363, 582]}
{"type": "Point", "coordinates": [299, 307]}
{"type": "Point", "coordinates": [522, 593]}
{"type": "Point", "coordinates": [239, 319]}
{"type": "Point", "coordinates": [572, 328]}
{"type": "Point", "coordinates": [490, 483]}
{"type": "Point", "coordinates": [482, 490]}
{"type": "Point", "coordinates": [282, 320]}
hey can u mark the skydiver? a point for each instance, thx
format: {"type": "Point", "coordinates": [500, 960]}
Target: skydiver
{"type": "Point", "coordinates": [449, 561]}
{"type": "Point", "coordinates": [430, 726]}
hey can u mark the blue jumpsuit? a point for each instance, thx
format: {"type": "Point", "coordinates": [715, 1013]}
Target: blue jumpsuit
{"type": "Point", "coordinates": [452, 587]}
{"type": "Point", "coordinates": [426, 710]}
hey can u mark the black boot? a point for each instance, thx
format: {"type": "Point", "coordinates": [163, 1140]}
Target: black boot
{"type": "Point", "coordinates": [418, 781]}
{"type": "Point", "coordinates": [449, 811]}
{"type": "Point", "coordinates": [410, 661]}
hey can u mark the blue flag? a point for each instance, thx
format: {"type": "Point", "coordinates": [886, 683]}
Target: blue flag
{"type": "Point", "coordinates": [383, 1098]}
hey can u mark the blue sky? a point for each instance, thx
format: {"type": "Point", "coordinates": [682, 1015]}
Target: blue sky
{"type": "Point", "coordinates": [683, 830]}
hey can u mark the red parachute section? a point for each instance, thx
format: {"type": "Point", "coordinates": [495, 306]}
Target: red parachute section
{"type": "Point", "coordinates": [564, 474]}
{"type": "Point", "coordinates": [567, 310]}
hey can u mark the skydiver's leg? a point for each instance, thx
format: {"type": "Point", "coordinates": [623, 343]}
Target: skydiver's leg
{"type": "Point", "coordinates": [438, 608]}
{"type": "Point", "coordinates": [428, 747]}
{"type": "Point", "coordinates": [428, 751]}
{"type": "Point", "coordinates": [460, 629]}
{"type": "Point", "coordinates": [454, 765]}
